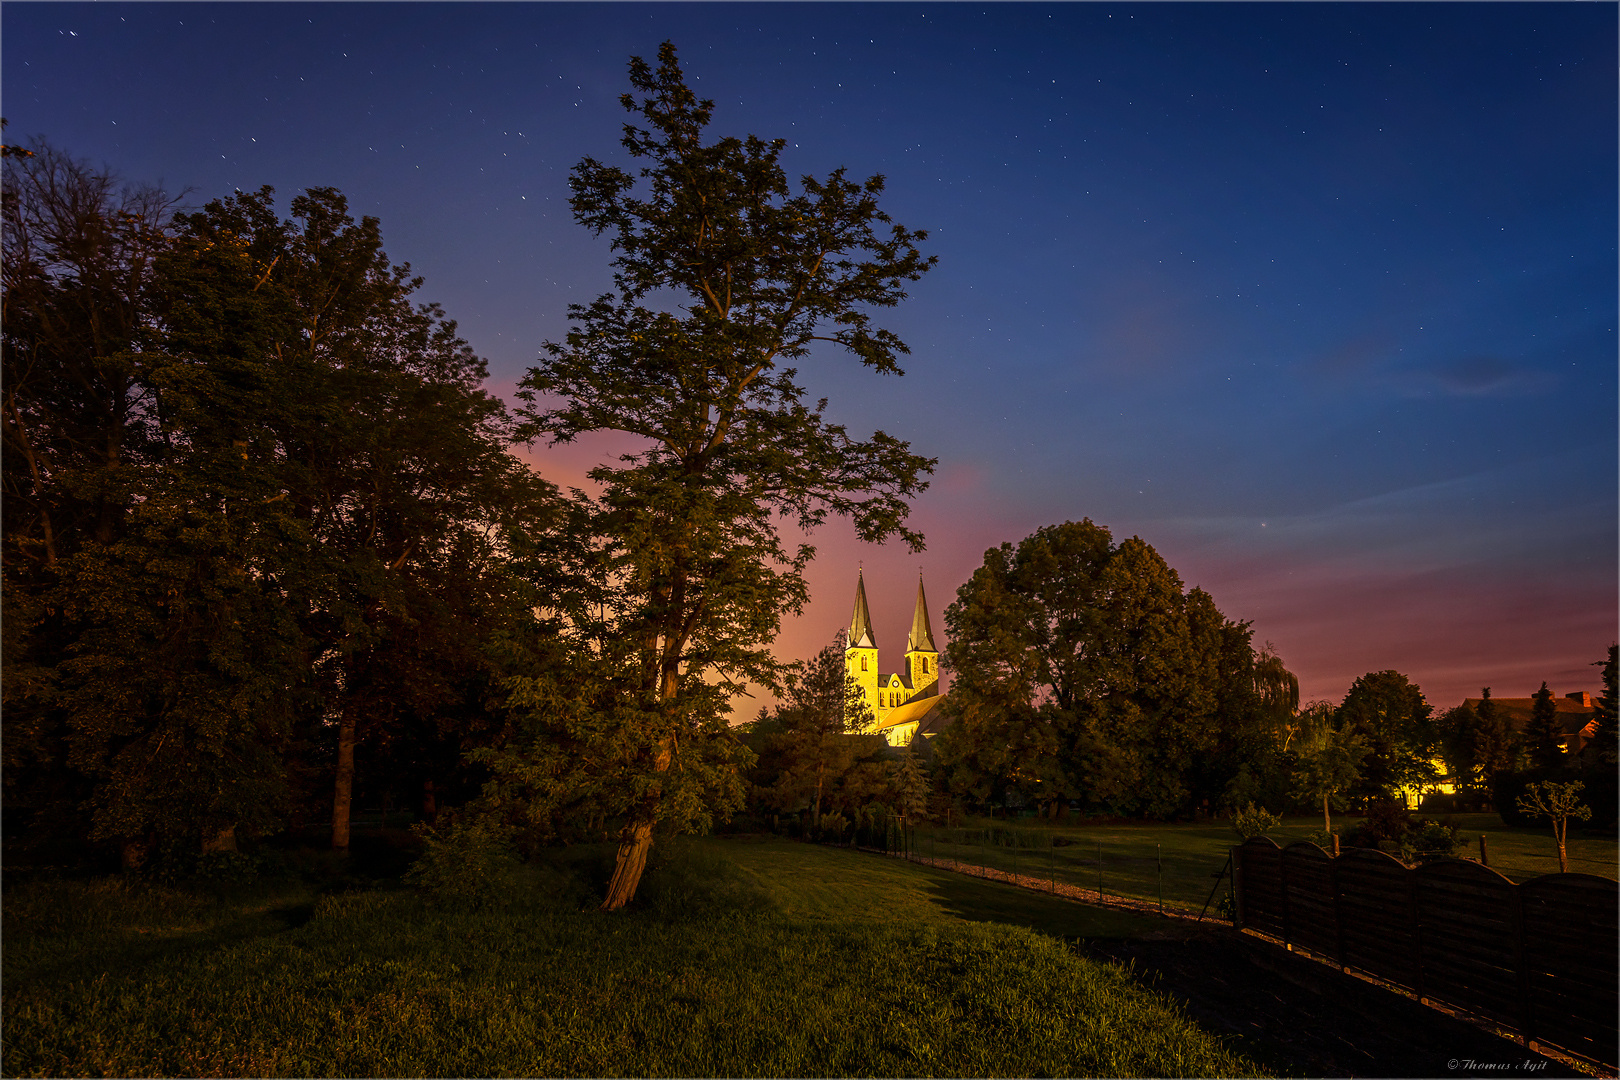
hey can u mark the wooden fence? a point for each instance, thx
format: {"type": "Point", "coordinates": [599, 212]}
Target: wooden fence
{"type": "Point", "coordinates": [1540, 957]}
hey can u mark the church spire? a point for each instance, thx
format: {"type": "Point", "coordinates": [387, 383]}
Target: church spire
{"type": "Point", "coordinates": [860, 626]}
{"type": "Point", "coordinates": [921, 638]}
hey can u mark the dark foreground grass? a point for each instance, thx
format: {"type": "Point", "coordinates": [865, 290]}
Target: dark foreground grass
{"type": "Point", "coordinates": [725, 969]}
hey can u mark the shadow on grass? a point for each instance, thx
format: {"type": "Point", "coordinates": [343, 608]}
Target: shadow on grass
{"type": "Point", "coordinates": [976, 899]}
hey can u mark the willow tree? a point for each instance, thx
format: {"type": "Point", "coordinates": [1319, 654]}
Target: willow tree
{"type": "Point", "coordinates": [724, 275]}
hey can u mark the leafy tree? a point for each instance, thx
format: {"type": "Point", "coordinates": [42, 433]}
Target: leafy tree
{"type": "Point", "coordinates": [1603, 740]}
{"type": "Point", "coordinates": [1391, 718]}
{"type": "Point", "coordinates": [1331, 754]}
{"type": "Point", "coordinates": [1278, 691]}
{"type": "Point", "coordinates": [1541, 734]}
{"type": "Point", "coordinates": [367, 418]}
{"type": "Point", "coordinates": [1082, 668]}
{"type": "Point", "coordinates": [1558, 803]}
{"type": "Point", "coordinates": [724, 444]}
{"type": "Point", "coordinates": [264, 508]}
{"type": "Point", "coordinates": [825, 705]}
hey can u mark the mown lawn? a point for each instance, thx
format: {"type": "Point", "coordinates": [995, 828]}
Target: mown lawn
{"type": "Point", "coordinates": [1131, 855]}
{"type": "Point", "coordinates": [740, 958]}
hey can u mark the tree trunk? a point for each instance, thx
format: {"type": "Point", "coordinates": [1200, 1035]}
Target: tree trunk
{"type": "Point", "coordinates": [636, 840]}
{"type": "Point", "coordinates": [815, 809]}
{"type": "Point", "coordinates": [430, 809]}
{"type": "Point", "coordinates": [627, 870]}
{"type": "Point", "coordinates": [1327, 822]}
{"type": "Point", "coordinates": [344, 789]}
{"type": "Point", "coordinates": [1560, 834]}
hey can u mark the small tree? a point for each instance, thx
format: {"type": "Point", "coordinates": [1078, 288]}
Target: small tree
{"type": "Point", "coordinates": [1558, 802]}
{"type": "Point", "coordinates": [1541, 735]}
{"type": "Point", "coordinates": [1329, 760]}
{"type": "Point", "coordinates": [909, 787]}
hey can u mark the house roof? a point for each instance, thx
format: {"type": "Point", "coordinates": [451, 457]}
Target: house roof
{"type": "Point", "coordinates": [912, 711]}
{"type": "Point", "coordinates": [1571, 713]}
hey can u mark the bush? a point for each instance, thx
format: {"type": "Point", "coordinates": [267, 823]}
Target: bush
{"type": "Point", "coordinates": [1428, 840]}
{"type": "Point", "coordinates": [1252, 821]}
{"type": "Point", "coordinates": [467, 860]}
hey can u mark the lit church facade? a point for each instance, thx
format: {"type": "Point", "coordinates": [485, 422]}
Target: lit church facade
{"type": "Point", "coordinates": [903, 702]}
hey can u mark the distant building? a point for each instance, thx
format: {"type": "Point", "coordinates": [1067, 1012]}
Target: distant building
{"type": "Point", "coordinates": [1577, 717]}
{"type": "Point", "coordinates": [903, 702]}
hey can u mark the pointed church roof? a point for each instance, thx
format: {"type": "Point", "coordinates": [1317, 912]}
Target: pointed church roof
{"type": "Point", "coordinates": [921, 638]}
{"type": "Point", "coordinates": [860, 625]}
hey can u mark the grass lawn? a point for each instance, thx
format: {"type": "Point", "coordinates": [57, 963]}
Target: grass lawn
{"type": "Point", "coordinates": [1192, 854]}
{"type": "Point", "coordinates": [741, 957]}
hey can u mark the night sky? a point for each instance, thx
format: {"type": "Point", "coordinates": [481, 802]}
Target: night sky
{"type": "Point", "coordinates": [1318, 300]}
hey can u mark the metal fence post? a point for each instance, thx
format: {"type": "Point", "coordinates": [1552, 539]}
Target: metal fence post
{"type": "Point", "coordinates": [1158, 857]}
{"type": "Point", "coordinates": [1099, 870]}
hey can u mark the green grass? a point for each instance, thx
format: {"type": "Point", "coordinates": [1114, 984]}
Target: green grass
{"type": "Point", "coordinates": [740, 958]}
{"type": "Point", "coordinates": [1192, 854]}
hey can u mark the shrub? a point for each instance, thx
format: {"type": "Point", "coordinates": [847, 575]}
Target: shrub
{"type": "Point", "coordinates": [468, 860]}
{"type": "Point", "coordinates": [1427, 840]}
{"type": "Point", "coordinates": [1252, 821]}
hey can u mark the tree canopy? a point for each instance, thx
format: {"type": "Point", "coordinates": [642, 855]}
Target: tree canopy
{"type": "Point", "coordinates": [1083, 669]}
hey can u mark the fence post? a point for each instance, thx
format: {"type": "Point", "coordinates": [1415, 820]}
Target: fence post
{"type": "Point", "coordinates": [1099, 870]}
{"type": "Point", "coordinates": [1051, 840]}
{"type": "Point", "coordinates": [1484, 854]}
{"type": "Point", "coordinates": [1288, 925]}
{"type": "Point", "coordinates": [1338, 915]}
{"type": "Point", "coordinates": [1158, 857]}
{"type": "Point", "coordinates": [1417, 931]}
{"type": "Point", "coordinates": [1527, 1018]}
{"type": "Point", "coordinates": [1015, 857]}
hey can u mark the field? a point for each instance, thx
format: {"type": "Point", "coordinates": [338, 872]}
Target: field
{"type": "Point", "coordinates": [1131, 855]}
{"type": "Point", "coordinates": [742, 957]}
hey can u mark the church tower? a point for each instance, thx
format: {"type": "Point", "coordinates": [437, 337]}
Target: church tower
{"type": "Point", "coordinates": [860, 652]}
{"type": "Point", "coordinates": [922, 659]}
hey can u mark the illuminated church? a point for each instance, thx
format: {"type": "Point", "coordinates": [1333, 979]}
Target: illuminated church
{"type": "Point", "coordinates": [904, 702]}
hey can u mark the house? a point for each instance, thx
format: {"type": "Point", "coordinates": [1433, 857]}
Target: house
{"type": "Point", "coordinates": [904, 702]}
{"type": "Point", "coordinates": [1576, 713]}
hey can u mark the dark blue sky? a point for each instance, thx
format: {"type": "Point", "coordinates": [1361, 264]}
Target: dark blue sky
{"type": "Point", "coordinates": [1319, 300]}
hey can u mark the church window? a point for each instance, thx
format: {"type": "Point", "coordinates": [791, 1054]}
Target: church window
{"type": "Point", "coordinates": [925, 665]}
{"type": "Point", "coordinates": [863, 663]}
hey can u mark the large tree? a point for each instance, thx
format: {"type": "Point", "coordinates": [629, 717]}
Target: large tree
{"type": "Point", "coordinates": [1082, 668]}
{"type": "Point", "coordinates": [723, 276]}
{"type": "Point", "coordinates": [1390, 716]}
{"type": "Point", "coordinates": [259, 497]}
{"type": "Point", "coordinates": [364, 415]}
